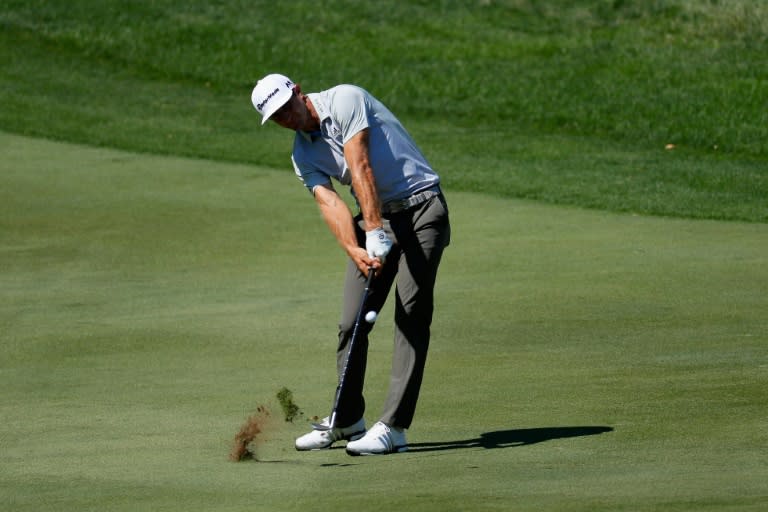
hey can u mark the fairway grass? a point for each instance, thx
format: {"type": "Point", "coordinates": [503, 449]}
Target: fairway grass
{"type": "Point", "coordinates": [581, 360]}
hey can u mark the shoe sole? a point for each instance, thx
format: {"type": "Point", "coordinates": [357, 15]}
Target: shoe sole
{"type": "Point", "coordinates": [396, 449]}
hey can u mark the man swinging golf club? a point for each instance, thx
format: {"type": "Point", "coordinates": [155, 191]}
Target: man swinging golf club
{"type": "Point", "coordinates": [347, 135]}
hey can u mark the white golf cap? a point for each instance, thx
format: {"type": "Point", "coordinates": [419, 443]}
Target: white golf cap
{"type": "Point", "coordinates": [271, 93]}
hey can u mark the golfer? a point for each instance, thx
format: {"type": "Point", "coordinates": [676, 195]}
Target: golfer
{"type": "Point", "coordinates": [346, 135]}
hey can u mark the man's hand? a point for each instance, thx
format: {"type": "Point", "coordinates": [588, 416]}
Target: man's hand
{"type": "Point", "coordinates": [377, 243]}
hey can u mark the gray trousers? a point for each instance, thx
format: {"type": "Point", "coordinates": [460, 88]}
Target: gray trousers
{"type": "Point", "coordinates": [419, 236]}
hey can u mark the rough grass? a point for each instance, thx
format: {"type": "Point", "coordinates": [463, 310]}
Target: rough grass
{"type": "Point", "coordinates": [478, 82]}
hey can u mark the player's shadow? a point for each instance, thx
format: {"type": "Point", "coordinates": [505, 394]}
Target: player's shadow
{"type": "Point", "coordinates": [510, 438]}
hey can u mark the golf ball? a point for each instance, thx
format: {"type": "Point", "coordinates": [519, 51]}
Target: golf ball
{"type": "Point", "coordinates": [370, 317]}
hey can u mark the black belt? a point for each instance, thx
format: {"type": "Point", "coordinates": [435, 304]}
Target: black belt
{"type": "Point", "coordinates": [401, 205]}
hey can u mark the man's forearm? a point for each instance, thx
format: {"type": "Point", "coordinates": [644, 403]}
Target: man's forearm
{"type": "Point", "coordinates": [363, 182]}
{"type": "Point", "coordinates": [337, 216]}
{"type": "Point", "coordinates": [368, 198]}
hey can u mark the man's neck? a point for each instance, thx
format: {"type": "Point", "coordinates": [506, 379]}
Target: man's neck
{"type": "Point", "coordinates": [314, 123]}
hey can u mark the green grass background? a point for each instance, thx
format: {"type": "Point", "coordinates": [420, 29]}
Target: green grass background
{"type": "Point", "coordinates": [151, 303]}
{"type": "Point", "coordinates": [600, 339]}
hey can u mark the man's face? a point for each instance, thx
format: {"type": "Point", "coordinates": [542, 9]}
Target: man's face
{"type": "Point", "coordinates": [293, 115]}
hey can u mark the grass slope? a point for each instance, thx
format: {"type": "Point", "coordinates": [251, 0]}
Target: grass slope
{"type": "Point", "coordinates": [581, 361]}
{"type": "Point", "coordinates": [568, 102]}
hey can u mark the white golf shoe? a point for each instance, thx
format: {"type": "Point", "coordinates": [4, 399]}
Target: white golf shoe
{"type": "Point", "coordinates": [380, 439]}
{"type": "Point", "coordinates": [319, 439]}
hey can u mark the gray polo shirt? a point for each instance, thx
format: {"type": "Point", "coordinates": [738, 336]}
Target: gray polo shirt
{"type": "Point", "coordinates": [399, 168]}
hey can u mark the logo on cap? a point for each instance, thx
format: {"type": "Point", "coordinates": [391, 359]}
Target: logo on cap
{"type": "Point", "coordinates": [260, 106]}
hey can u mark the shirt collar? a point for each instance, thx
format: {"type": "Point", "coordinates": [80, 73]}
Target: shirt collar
{"type": "Point", "coordinates": [323, 113]}
{"type": "Point", "coordinates": [309, 136]}
{"type": "Point", "coordinates": [322, 109]}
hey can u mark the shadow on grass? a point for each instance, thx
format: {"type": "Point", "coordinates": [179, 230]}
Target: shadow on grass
{"type": "Point", "coordinates": [510, 438]}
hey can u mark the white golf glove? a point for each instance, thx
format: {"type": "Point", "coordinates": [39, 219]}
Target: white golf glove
{"type": "Point", "coordinates": [377, 243]}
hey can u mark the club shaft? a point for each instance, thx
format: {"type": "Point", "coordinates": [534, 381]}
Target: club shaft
{"type": "Point", "coordinates": [350, 347]}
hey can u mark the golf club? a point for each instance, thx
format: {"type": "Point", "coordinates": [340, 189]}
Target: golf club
{"type": "Point", "coordinates": [355, 330]}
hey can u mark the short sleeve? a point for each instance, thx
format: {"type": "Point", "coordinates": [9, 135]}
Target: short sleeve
{"type": "Point", "coordinates": [310, 177]}
{"type": "Point", "coordinates": [349, 109]}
